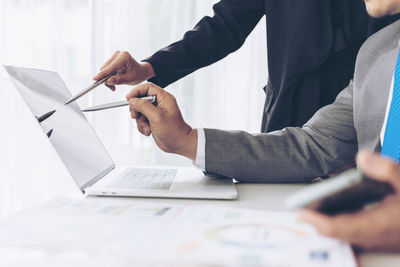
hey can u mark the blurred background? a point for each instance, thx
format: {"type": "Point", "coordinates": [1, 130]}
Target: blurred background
{"type": "Point", "coordinates": [74, 38]}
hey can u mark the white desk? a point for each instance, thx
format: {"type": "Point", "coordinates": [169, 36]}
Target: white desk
{"type": "Point", "coordinates": [264, 197]}
{"type": "Point", "coordinates": [270, 197]}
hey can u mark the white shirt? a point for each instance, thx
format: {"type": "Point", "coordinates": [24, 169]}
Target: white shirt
{"type": "Point", "coordinates": [200, 160]}
{"type": "Point", "coordinates": [389, 103]}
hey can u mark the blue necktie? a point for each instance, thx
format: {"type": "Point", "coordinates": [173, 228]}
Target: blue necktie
{"type": "Point", "coordinates": [391, 143]}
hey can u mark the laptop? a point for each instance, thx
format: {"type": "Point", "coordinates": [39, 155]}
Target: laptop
{"type": "Point", "coordinates": [86, 158]}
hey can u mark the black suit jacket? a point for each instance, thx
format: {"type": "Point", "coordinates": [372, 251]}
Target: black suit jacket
{"type": "Point", "coordinates": [312, 47]}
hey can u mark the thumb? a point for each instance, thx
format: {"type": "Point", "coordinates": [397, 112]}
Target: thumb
{"type": "Point", "coordinates": [379, 168]}
{"type": "Point", "coordinates": [146, 108]}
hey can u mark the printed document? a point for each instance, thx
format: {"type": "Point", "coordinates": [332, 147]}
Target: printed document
{"type": "Point", "coordinates": [100, 230]}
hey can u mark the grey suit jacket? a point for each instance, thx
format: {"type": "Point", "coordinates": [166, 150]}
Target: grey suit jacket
{"type": "Point", "coordinates": [329, 140]}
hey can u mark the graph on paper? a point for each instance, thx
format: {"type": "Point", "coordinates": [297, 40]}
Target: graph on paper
{"type": "Point", "coordinates": [175, 234]}
{"type": "Point", "coordinates": [262, 236]}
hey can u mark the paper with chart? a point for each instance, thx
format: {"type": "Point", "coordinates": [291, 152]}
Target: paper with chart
{"type": "Point", "coordinates": [173, 234]}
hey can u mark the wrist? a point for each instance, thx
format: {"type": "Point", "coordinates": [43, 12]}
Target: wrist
{"type": "Point", "coordinates": [188, 148]}
{"type": "Point", "coordinates": [148, 70]}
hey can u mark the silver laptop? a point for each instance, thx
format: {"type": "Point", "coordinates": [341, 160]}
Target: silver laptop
{"type": "Point", "coordinates": [86, 158]}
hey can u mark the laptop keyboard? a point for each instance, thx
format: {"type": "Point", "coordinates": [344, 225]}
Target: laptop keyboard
{"type": "Point", "coordinates": [156, 179]}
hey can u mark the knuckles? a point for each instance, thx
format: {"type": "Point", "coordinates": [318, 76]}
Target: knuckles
{"type": "Point", "coordinates": [170, 97]}
{"type": "Point", "coordinates": [150, 84]}
{"type": "Point", "coordinates": [139, 102]}
{"type": "Point", "coordinates": [125, 54]}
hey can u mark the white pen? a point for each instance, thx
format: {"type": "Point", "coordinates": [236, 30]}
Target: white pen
{"type": "Point", "coordinates": [88, 89]}
{"type": "Point", "coordinates": [151, 99]}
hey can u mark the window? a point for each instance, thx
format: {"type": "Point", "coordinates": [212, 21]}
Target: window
{"type": "Point", "coordinates": [74, 38]}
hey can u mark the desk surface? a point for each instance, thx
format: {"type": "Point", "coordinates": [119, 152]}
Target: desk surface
{"type": "Point", "coordinates": [270, 197]}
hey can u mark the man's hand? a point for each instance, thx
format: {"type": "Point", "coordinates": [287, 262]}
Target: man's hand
{"type": "Point", "coordinates": [129, 71]}
{"type": "Point", "coordinates": [164, 120]}
{"type": "Point", "coordinates": [377, 228]}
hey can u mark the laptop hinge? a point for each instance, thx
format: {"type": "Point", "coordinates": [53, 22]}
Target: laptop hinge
{"type": "Point", "coordinates": [97, 178]}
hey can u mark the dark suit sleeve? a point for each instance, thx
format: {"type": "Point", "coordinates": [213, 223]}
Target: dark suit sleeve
{"type": "Point", "coordinates": [211, 39]}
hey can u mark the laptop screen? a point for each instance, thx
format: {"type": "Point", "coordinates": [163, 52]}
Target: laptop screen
{"type": "Point", "coordinates": [65, 125]}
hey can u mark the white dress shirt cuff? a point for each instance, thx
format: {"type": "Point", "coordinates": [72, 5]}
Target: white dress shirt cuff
{"type": "Point", "coordinates": [200, 161]}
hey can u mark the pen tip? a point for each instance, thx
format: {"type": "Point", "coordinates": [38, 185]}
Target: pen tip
{"type": "Point", "coordinates": [45, 116]}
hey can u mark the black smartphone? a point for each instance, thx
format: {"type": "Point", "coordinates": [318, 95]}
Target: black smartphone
{"type": "Point", "coordinates": [347, 192]}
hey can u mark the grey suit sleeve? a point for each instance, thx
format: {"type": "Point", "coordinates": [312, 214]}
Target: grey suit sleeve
{"type": "Point", "coordinates": [327, 142]}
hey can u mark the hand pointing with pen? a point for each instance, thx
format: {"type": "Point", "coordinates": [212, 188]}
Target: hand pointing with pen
{"type": "Point", "coordinates": [163, 120]}
{"type": "Point", "coordinates": [128, 70]}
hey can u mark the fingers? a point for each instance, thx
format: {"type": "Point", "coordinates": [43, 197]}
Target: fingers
{"type": "Point", "coordinates": [118, 79]}
{"type": "Point", "coordinates": [112, 87]}
{"type": "Point", "coordinates": [321, 222]}
{"type": "Point", "coordinates": [143, 125]}
{"type": "Point", "coordinates": [146, 89]}
{"type": "Point", "coordinates": [371, 229]}
{"type": "Point", "coordinates": [116, 64]}
{"type": "Point", "coordinates": [115, 80]}
{"type": "Point", "coordinates": [141, 122]}
{"type": "Point", "coordinates": [114, 56]}
{"type": "Point", "coordinates": [101, 74]}
{"type": "Point", "coordinates": [134, 114]}
{"type": "Point", "coordinates": [379, 168]}
{"type": "Point", "coordinates": [146, 108]}
{"type": "Point", "coordinates": [352, 228]}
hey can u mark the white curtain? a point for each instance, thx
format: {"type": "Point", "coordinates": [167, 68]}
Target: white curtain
{"type": "Point", "coordinates": [74, 38]}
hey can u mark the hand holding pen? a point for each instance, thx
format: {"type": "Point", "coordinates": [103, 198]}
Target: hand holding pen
{"type": "Point", "coordinates": [163, 120]}
{"type": "Point", "coordinates": [151, 99]}
{"type": "Point", "coordinates": [127, 69]}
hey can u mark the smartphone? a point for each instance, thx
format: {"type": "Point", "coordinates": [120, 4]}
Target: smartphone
{"type": "Point", "coordinates": [347, 192]}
